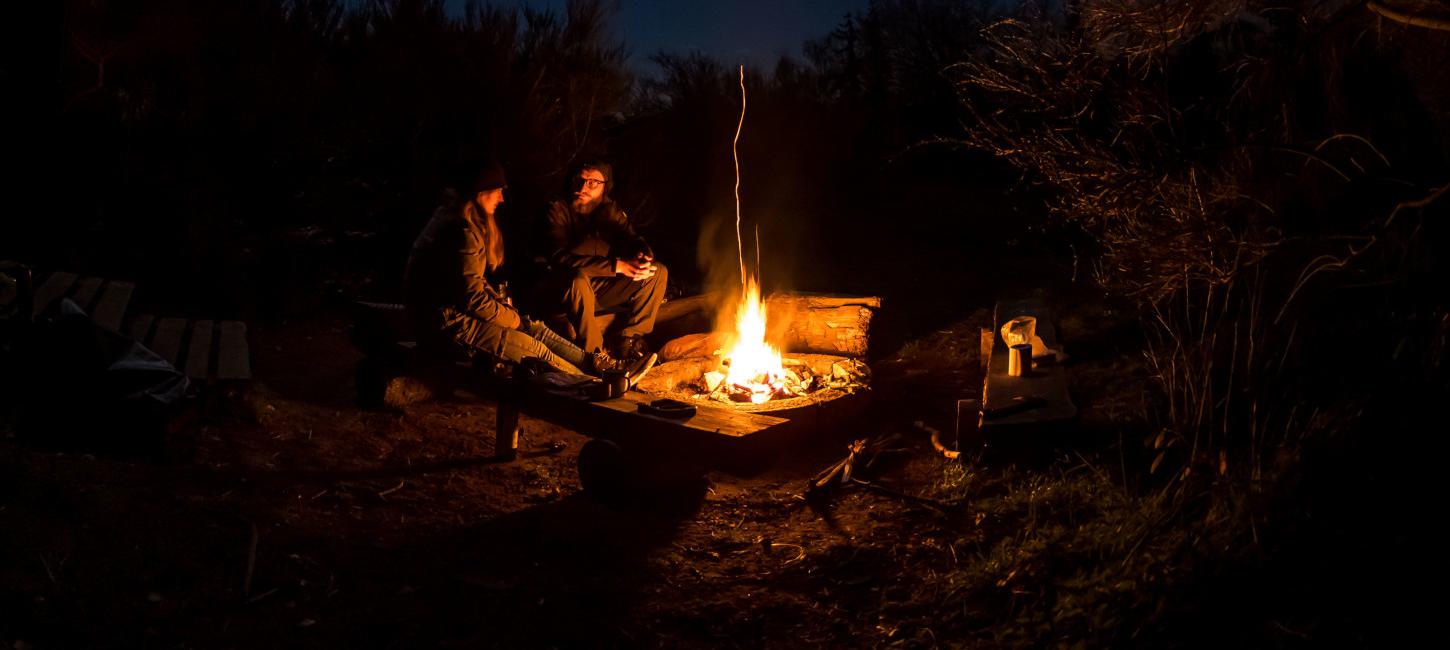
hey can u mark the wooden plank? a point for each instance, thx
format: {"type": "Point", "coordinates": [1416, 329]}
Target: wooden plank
{"type": "Point", "coordinates": [167, 340]}
{"type": "Point", "coordinates": [86, 293]}
{"type": "Point", "coordinates": [198, 351]}
{"type": "Point", "coordinates": [707, 419]}
{"type": "Point", "coordinates": [140, 327]}
{"type": "Point", "coordinates": [1038, 398]}
{"type": "Point", "coordinates": [55, 286]}
{"type": "Point", "coordinates": [621, 416]}
{"type": "Point", "coordinates": [234, 359]}
{"type": "Point", "coordinates": [111, 309]}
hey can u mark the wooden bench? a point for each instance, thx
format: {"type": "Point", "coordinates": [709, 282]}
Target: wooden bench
{"type": "Point", "coordinates": [104, 300]}
{"type": "Point", "coordinates": [1018, 411]}
{"type": "Point", "coordinates": [206, 350]}
{"type": "Point", "coordinates": [629, 449]}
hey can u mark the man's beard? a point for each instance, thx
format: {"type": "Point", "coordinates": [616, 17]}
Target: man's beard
{"type": "Point", "coordinates": [582, 207]}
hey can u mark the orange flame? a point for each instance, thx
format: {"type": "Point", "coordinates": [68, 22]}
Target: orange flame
{"type": "Point", "coordinates": [754, 364]}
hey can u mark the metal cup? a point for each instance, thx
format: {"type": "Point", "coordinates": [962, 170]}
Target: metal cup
{"type": "Point", "coordinates": [1019, 359]}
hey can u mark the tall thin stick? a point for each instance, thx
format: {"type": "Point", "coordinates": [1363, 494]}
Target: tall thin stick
{"type": "Point", "coordinates": [734, 151]}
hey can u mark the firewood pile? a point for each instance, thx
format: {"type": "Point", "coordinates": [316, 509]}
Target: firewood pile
{"type": "Point", "coordinates": [800, 379]}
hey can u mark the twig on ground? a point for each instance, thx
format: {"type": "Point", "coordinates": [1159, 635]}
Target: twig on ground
{"type": "Point", "coordinates": [48, 572]}
{"type": "Point", "coordinates": [936, 441]}
{"type": "Point", "coordinates": [384, 494]}
{"type": "Point", "coordinates": [262, 595]}
{"type": "Point", "coordinates": [251, 560]}
{"type": "Point", "coordinates": [800, 552]}
{"type": "Point", "coordinates": [881, 489]}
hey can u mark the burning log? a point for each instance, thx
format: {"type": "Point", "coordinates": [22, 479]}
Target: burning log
{"type": "Point", "coordinates": [806, 376]}
{"type": "Point", "coordinates": [812, 323]}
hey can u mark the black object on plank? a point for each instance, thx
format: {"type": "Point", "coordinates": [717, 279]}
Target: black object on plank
{"type": "Point", "coordinates": [668, 408]}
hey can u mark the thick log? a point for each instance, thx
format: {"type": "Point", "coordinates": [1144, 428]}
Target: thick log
{"type": "Point", "coordinates": [692, 345]}
{"type": "Point", "coordinates": [667, 376]}
{"type": "Point", "coordinates": [705, 303]}
{"type": "Point", "coordinates": [710, 301]}
{"type": "Point", "coordinates": [802, 322]}
{"type": "Point", "coordinates": [822, 324]}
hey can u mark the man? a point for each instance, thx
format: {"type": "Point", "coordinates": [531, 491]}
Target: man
{"type": "Point", "coordinates": [456, 308]}
{"type": "Point", "coordinates": [603, 264]}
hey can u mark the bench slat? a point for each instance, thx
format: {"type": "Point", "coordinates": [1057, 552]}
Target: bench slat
{"type": "Point", "coordinates": [55, 286]}
{"type": "Point", "coordinates": [234, 357]}
{"type": "Point", "coordinates": [198, 351]}
{"type": "Point", "coordinates": [167, 340]}
{"type": "Point", "coordinates": [86, 293]}
{"type": "Point", "coordinates": [112, 306]}
{"type": "Point", "coordinates": [140, 328]}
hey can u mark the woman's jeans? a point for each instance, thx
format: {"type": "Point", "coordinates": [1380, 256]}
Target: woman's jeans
{"type": "Point", "coordinates": [505, 344]}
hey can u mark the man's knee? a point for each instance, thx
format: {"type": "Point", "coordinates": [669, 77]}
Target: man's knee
{"type": "Point", "coordinates": [655, 286]}
{"type": "Point", "coordinates": [575, 291]}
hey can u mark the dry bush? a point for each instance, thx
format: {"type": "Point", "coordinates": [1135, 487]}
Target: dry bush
{"type": "Point", "coordinates": [1210, 151]}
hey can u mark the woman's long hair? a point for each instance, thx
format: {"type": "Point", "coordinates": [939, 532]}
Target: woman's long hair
{"type": "Point", "coordinates": [492, 235]}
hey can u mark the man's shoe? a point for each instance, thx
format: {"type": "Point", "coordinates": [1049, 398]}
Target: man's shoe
{"type": "Point", "coordinates": [601, 364]}
{"type": "Point", "coordinates": [640, 368]}
{"type": "Point", "coordinates": [631, 347]}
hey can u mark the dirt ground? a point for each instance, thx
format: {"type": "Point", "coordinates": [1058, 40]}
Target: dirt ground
{"type": "Point", "coordinates": [288, 515]}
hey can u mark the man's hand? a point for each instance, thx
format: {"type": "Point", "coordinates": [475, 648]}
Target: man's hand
{"type": "Point", "coordinates": [637, 269]}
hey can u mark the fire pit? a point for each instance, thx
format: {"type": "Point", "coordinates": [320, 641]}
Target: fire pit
{"type": "Point", "coordinates": [807, 380]}
{"type": "Point", "coordinates": [824, 337]}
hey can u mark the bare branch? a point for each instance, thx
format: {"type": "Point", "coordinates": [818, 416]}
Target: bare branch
{"type": "Point", "coordinates": [1414, 20]}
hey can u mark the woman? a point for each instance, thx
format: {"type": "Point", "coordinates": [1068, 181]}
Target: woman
{"type": "Point", "coordinates": [456, 308]}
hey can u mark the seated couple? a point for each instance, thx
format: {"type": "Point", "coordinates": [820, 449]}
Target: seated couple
{"type": "Point", "coordinates": [598, 263]}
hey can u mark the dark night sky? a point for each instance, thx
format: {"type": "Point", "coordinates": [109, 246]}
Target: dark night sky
{"type": "Point", "coordinates": [734, 31]}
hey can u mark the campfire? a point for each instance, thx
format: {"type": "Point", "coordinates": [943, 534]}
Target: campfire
{"type": "Point", "coordinates": [753, 371]}
{"type": "Point", "coordinates": [817, 355]}
{"type": "Point", "coordinates": [737, 365]}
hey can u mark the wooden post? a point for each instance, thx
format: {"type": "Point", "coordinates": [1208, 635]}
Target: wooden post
{"type": "Point", "coordinates": [506, 445]}
{"type": "Point", "coordinates": [506, 442]}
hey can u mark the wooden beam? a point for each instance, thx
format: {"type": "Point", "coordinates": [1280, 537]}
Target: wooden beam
{"type": "Point", "coordinates": [55, 286]}
{"type": "Point", "coordinates": [86, 293]}
{"type": "Point", "coordinates": [234, 357]}
{"type": "Point", "coordinates": [140, 328]}
{"type": "Point", "coordinates": [111, 309]}
{"type": "Point", "coordinates": [167, 340]}
{"type": "Point", "coordinates": [198, 351]}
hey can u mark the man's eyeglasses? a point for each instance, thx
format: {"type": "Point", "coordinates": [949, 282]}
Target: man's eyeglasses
{"type": "Point", "coordinates": [588, 182]}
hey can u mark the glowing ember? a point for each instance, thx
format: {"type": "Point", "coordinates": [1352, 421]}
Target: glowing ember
{"type": "Point", "coordinates": [755, 366]}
